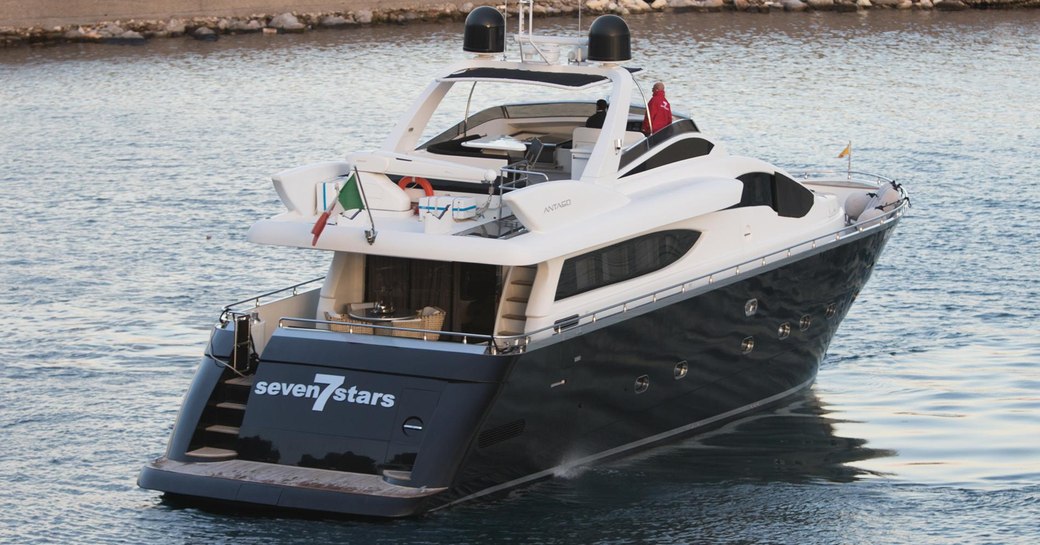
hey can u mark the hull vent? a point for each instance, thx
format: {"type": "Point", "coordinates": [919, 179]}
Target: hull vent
{"type": "Point", "coordinates": [501, 433]}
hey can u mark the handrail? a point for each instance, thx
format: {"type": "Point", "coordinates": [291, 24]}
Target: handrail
{"type": "Point", "coordinates": [256, 298]}
{"type": "Point", "coordinates": [519, 172]}
{"type": "Point", "coordinates": [467, 338]}
{"type": "Point", "coordinates": [805, 175]}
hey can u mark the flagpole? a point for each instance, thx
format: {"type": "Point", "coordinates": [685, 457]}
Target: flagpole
{"type": "Point", "coordinates": [319, 226]}
{"type": "Point", "coordinates": [370, 236]}
{"type": "Point", "coordinates": [847, 152]}
{"type": "Point", "coordinates": [850, 160]}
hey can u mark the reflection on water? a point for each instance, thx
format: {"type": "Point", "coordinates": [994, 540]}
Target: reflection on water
{"type": "Point", "coordinates": [794, 443]}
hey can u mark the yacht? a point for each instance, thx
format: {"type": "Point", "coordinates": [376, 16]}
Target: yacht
{"type": "Point", "coordinates": [519, 294]}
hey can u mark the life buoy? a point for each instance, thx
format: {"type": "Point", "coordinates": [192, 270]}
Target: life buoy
{"type": "Point", "coordinates": [421, 182]}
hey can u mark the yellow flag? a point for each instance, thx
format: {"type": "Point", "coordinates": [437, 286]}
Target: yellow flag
{"type": "Point", "coordinates": [846, 151]}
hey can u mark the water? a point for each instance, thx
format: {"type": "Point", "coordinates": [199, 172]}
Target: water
{"type": "Point", "coordinates": [130, 175]}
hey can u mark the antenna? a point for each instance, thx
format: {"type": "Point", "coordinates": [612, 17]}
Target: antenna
{"type": "Point", "coordinates": [579, 17]}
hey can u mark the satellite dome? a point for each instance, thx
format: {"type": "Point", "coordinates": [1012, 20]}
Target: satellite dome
{"type": "Point", "coordinates": [609, 39]}
{"type": "Point", "coordinates": [485, 31]}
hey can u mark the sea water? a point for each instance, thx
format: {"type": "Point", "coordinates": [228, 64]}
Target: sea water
{"type": "Point", "coordinates": [130, 175]}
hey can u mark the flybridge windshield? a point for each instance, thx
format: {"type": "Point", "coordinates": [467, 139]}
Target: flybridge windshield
{"type": "Point", "coordinates": [516, 111]}
{"type": "Point", "coordinates": [468, 105]}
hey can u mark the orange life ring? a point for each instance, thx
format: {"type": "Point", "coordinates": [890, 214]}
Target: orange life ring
{"type": "Point", "coordinates": [421, 182]}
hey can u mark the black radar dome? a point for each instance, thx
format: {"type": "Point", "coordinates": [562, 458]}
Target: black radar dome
{"type": "Point", "coordinates": [485, 31]}
{"type": "Point", "coordinates": [609, 39]}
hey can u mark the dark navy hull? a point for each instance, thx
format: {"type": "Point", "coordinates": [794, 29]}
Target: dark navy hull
{"type": "Point", "coordinates": [451, 423]}
{"type": "Point", "coordinates": [593, 412]}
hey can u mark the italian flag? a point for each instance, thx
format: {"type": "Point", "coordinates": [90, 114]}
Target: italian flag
{"type": "Point", "coordinates": [349, 198]}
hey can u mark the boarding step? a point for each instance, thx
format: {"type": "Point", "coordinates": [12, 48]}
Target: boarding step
{"type": "Point", "coordinates": [235, 390]}
{"type": "Point", "coordinates": [231, 406]}
{"type": "Point", "coordinates": [222, 429]}
{"type": "Point", "coordinates": [522, 282]}
{"type": "Point", "coordinates": [505, 333]}
{"type": "Point", "coordinates": [517, 299]}
{"type": "Point", "coordinates": [213, 454]}
{"type": "Point", "coordinates": [517, 317]}
{"type": "Point", "coordinates": [246, 381]}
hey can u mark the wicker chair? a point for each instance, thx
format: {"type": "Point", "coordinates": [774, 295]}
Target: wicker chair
{"type": "Point", "coordinates": [356, 326]}
{"type": "Point", "coordinates": [430, 318]}
{"type": "Point", "coordinates": [414, 323]}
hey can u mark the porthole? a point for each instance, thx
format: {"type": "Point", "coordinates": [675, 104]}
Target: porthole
{"type": "Point", "coordinates": [784, 331]}
{"type": "Point", "coordinates": [747, 345]}
{"type": "Point", "coordinates": [832, 309]}
{"type": "Point", "coordinates": [681, 369]}
{"type": "Point", "coordinates": [750, 307]}
{"type": "Point", "coordinates": [642, 383]}
{"type": "Point", "coordinates": [805, 322]}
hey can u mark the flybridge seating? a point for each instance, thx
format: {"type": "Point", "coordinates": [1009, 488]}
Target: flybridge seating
{"type": "Point", "coordinates": [550, 140]}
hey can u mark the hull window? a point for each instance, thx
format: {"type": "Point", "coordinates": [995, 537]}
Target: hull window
{"type": "Point", "coordinates": [624, 261]}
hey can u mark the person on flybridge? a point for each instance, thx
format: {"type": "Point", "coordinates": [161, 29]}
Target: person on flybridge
{"type": "Point", "coordinates": [595, 121]}
{"type": "Point", "coordinates": [658, 111]}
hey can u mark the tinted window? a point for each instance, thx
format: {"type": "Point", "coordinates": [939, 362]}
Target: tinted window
{"type": "Point", "coordinates": [758, 189]}
{"type": "Point", "coordinates": [642, 147]}
{"type": "Point", "coordinates": [787, 197]}
{"type": "Point", "coordinates": [677, 151]}
{"type": "Point", "coordinates": [623, 261]}
{"type": "Point", "coordinates": [793, 200]}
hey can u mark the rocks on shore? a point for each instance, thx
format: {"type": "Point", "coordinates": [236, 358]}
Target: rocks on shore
{"type": "Point", "coordinates": [210, 28]}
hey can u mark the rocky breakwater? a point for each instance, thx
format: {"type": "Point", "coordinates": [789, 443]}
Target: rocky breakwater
{"type": "Point", "coordinates": [212, 28]}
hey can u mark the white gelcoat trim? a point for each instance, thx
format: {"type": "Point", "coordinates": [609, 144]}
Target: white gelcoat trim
{"type": "Point", "coordinates": [403, 236]}
{"type": "Point", "coordinates": [629, 446]}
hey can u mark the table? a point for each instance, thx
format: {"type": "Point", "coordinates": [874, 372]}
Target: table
{"type": "Point", "coordinates": [497, 143]}
{"type": "Point", "coordinates": [366, 313]}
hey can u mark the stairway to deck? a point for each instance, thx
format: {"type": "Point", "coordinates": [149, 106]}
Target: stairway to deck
{"type": "Point", "coordinates": [512, 319]}
{"type": "Point", "coordinates": [216, 438]}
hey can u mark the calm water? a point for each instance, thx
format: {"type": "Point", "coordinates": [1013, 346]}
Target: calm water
{"type": "Point", "coordinates": [130, 174]}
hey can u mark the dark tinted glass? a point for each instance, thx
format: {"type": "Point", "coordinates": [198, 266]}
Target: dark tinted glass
{"type": "Point", "coordinates": [623, 261]}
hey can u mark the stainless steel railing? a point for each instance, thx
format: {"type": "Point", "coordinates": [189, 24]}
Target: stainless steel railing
{"type": "Point", "coordinates": [841, 177]}
{"type": "Point", "coordinates": [521, 176]}
{"type": "Point", "coordinates": [230, 310]}
{"type": "Point", "coordinates": [388, 330]}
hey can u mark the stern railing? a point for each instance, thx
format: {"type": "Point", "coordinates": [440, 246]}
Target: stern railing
{"type": "Point", "coordinates": [229, 311]}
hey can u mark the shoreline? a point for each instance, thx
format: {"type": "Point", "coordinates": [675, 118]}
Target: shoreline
{"type": "Point", "coordinates": [231, 17]}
